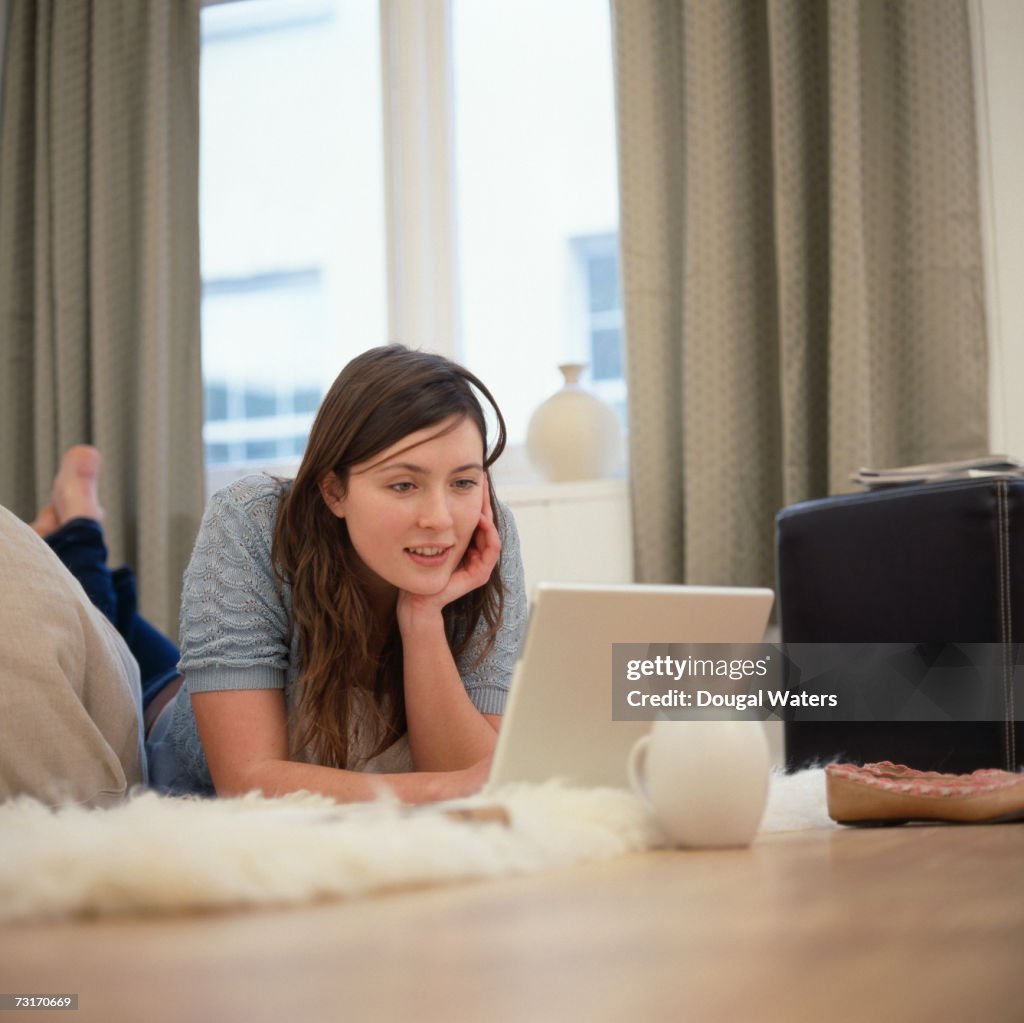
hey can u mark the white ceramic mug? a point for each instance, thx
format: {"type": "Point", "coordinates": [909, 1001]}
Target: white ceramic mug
{"type": "Point", "coordinates": [705, 781]}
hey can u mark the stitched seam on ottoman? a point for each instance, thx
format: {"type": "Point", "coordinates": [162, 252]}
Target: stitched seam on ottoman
{"type": "Point", "coordinates": [1003, 518]}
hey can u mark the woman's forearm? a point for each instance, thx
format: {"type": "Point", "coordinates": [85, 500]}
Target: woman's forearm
{"type": "Point", "coordinates": [446, 732]}
{"type": "Point", "coordinates": [245, 738]}
{"type": "Point", "coordinates": [280, 777]}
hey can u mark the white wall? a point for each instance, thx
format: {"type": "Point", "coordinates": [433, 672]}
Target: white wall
{"type": "Point", "coordinates": [999, 42]}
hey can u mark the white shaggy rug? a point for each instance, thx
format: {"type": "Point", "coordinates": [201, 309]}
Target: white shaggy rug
{"type": "Point", "coordinates": [154, 854]}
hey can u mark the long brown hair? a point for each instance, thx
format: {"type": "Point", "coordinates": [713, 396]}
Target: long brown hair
{"type": "Point", "coordinates": [380, 397]}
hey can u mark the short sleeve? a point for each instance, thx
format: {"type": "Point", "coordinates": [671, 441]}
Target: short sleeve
{"type": "Point", "coordinates": [487, 682]}
{"type": "Point", "coordinates": [234, 618]}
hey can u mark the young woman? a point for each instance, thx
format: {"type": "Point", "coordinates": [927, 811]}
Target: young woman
{"type": "Point", "coordinates": [355, 628]}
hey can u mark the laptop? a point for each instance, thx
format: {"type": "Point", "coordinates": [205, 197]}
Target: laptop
{"type": "Point", "coordinates": [558, 718]}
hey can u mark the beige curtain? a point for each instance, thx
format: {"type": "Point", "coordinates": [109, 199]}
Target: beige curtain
{"type": "Point", "coordinates": [99, 270]}
{"type": "Point", "coordinates": [801, 261]}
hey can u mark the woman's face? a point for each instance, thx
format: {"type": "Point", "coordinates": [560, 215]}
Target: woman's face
{"type": "Point", "coordinates": [411, 511]}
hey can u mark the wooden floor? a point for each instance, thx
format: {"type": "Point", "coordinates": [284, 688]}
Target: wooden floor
{"type": "Point", "coordinates": [912, 923]}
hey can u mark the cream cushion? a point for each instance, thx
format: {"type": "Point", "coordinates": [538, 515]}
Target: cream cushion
{"type": "Point", "coordinates": [70, 702]}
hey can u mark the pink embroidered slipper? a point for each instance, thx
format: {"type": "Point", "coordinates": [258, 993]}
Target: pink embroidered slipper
{"type": "Point", "coordinates": [886, 793]}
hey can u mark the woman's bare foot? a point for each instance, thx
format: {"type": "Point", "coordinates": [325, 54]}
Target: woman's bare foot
{"type": "Point", "coordinates": [46, 522]}
{"type": "Point", "coordinates": [76, 485]}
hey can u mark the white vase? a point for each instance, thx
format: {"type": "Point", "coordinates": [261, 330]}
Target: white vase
{"type": "Point", "coordinates": [574, 435]}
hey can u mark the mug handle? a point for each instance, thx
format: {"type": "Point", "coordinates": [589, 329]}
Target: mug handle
{"type": "Point", "coordinates": [636, 768]}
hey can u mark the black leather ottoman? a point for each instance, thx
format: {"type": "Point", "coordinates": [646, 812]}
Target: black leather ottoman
{"type": "Point", "coordinates": [928, 564]}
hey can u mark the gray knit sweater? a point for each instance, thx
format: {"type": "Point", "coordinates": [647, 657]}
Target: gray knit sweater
{"type": "Point", "coordinates": [235, 627]}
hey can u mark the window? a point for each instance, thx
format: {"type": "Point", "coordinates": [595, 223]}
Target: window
{"type": "Point", "coordinates": [534, 131]}
{"type": "Point", "coordinates": [518, 210]}
{"type": "Point", "coordinates": [291, 216]}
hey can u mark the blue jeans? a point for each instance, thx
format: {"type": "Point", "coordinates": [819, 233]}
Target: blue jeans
{"type": "Point", "coordinates": [80, 545]}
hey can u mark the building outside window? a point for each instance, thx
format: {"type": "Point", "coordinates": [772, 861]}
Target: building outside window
{"type": "Point", "coordinates": [599, 306]}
